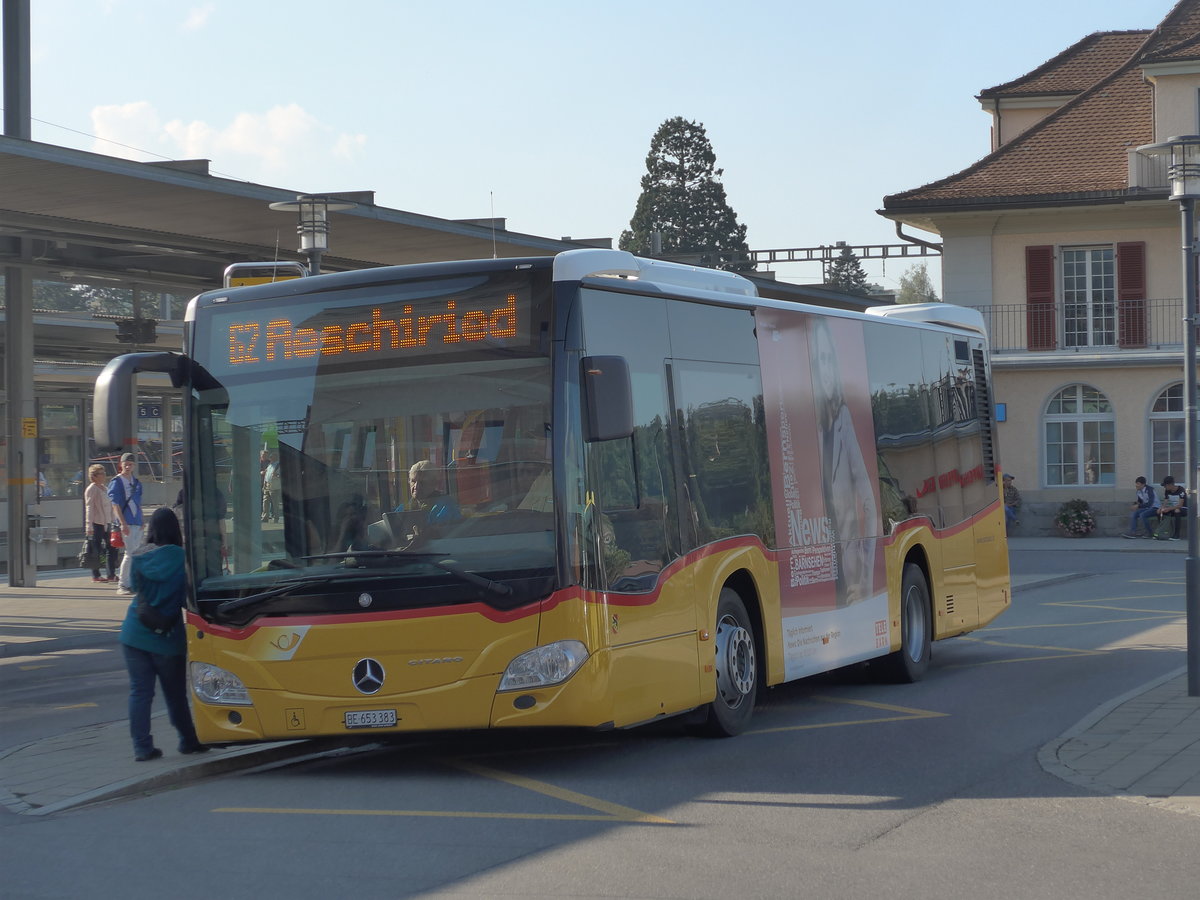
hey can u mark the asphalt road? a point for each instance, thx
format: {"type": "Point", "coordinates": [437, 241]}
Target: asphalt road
{"type": "Point", "coordinates": [844, 788]}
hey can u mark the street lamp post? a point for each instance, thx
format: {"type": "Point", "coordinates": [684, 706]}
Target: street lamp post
{"type": "Point", "coordinates": [314, 223]}
{"type": "Point", "coordinates": [1183, 171]}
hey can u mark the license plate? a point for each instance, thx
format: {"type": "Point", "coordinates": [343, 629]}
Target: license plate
{"type": "Point", "coordinates": [371, 718]}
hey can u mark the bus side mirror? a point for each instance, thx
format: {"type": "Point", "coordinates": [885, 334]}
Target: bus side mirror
{"type": "Point", "coordinates": [113, 424]}
{"type": "Point", "coordinates": [608, 398]}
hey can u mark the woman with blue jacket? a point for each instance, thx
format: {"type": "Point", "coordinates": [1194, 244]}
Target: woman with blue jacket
{"type": "Point", "coordinates": [157, 576]}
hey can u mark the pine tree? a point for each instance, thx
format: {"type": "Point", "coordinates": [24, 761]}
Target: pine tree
{"type": "Point", "coordinates": [846, 273]}
{"type": "Point", "coordinates": [684, 201]}
{"type": "Point", "coordinates": [916, 287]}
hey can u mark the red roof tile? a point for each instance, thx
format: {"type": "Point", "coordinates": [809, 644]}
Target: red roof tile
{"type": "Point", "coordinates": [1082, 147]}
{"type": "Point", "coordinates": [1177, 37]}
{"type": "Point", "coordinates": [1075, 69]}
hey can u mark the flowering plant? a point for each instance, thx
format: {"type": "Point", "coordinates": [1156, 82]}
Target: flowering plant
{"type": "Point", "coordinates": [1074, 517]}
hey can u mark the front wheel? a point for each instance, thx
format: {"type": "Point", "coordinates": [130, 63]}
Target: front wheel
{"type": "Point", "coordinates": [909, 663]}
{"type": "Point", "coordinates": [736, 667]}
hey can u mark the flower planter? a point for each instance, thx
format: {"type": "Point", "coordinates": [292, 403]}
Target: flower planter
{"type": "Point", "coordinates": [1075, 519]}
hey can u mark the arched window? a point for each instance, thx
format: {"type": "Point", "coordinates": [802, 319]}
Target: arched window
{"type": "Point", "coordinates": [1166, 434]}
{"type": "Point", "coordinates": [1080, 443]}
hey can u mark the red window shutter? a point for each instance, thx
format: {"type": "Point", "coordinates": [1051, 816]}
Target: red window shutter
{"type": "Point", "coordinates": [1131, 294]}
{"type": "Point", "coordinates": [1039, 298]}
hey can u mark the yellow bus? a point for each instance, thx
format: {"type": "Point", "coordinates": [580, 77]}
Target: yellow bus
{"type": "Point", "coordinates": [589, 490]}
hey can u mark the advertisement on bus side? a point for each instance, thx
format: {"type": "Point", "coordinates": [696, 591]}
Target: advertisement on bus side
{"type": "Point", "coordinates": [833, 584]}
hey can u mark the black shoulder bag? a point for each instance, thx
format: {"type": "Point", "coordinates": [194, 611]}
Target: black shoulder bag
{"type": "Point", "coordinates": [152, 618]}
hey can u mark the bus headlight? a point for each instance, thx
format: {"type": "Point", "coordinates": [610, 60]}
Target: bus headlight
{"type": "Point", "coordinates": [544, 666]}
{"type": "Point", "coordinates": [212, 684]}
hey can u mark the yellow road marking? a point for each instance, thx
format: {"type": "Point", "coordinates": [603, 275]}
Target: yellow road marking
{"type": "Point", "coordinates": [906, 713]}
{"type": "Point", "coordinates": [613, 810]}
{"type": "Point", "coordinates": [1158, 617]}
{"type": "Point", "coordinates": [606, 811]}
{"type": "Point", "coordinates": [78, 706]}
{"type": "Point", "coordinates": [419, 813]}
{"type": "Point", "coordinates": [1051, 653]}
{"type": "Point", "coordinates": [1103, 602]}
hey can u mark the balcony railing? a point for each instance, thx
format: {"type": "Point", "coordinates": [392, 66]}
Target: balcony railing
{"type": "Point", "coordinates": [1149, 173]}
{"type": "Point", "coordinates": [1141, 324]}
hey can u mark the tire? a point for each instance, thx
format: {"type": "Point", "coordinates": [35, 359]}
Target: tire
{"type": "Point", "coordinates": [909, 663]}
{"type": "Point", "coordinates": [736, 668]}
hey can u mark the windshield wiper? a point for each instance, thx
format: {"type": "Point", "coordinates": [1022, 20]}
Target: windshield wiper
{"type": "Point", "coordinates": [287, 587]}
{"type": "Point", "coordinates": [446, 565]}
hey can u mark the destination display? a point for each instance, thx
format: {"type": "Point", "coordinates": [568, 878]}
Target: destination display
{"type": "Point", "coordinates": [267, 337]}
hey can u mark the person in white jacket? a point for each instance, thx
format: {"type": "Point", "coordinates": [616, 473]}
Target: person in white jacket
{"type": "Point", "coordinates": [1144, 509]}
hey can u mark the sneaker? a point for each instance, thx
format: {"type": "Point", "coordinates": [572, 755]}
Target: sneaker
{"type": "Point", "coordinates": [1129, 535]}
{"type": "Point", "coordinates": [152, 753]}
{"type": "Point", "coordinates": [193, 748]}
{"type": "Point", "coordinates": [96, 579]}
{"type": "Point", "coordinates": [124, 592]}
{"type": "Point", "coordinates": [1174, 539]}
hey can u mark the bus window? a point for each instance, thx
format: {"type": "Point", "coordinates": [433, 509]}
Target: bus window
{"type": "Point", "coordinates": [725, 449]}
{"type": "Point", "coordinates": [632, 481]}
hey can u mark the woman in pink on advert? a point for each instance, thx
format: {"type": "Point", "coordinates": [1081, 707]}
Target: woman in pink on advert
{"type": "Point", "coordinates": [847, 485]}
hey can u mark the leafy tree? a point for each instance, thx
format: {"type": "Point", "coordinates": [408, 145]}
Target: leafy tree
{"type": "Point", "coordinates": [683, 200]}
{"type": "Point", "coordinates": [916, 287]}
{"type": "Point", "coordinates": [846, 274]}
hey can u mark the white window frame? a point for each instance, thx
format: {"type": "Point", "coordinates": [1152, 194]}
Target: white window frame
{"type": "Point", "coordinates": [1092, 291]}
{"type": "Point", "coordinates": [1093, 467]}
{"type": "Point", "coordinates": [1167, 410]}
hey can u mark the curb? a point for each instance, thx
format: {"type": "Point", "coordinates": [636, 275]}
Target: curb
{"type": "Point", "coordinates": [1048, 755]}
{"type": "Point", "coordinates": [242, 759]}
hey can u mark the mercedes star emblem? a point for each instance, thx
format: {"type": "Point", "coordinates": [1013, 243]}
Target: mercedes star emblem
{"type": "Point", "coordinates": [368, 676]}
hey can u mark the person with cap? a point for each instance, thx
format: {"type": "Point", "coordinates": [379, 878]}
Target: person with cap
{"type": "Point", "coordinates": [1174, 505]}
{"type": "Point", "coordinates": [1144, 507]}
{"type": "Point", "coordinates": [1012, 501]}
{"type": "Point", "coordinates": [125, 493]}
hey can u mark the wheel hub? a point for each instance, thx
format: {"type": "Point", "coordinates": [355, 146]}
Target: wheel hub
{"type": "Point", "coordinates": [735, 662]}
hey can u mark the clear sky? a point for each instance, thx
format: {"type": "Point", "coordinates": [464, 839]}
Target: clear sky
{"type": "Point", "coordinates": [542, 112]}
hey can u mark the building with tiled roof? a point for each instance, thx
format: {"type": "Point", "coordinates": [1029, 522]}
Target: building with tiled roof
{"type": "Point", "coordinates": [1063, 236]}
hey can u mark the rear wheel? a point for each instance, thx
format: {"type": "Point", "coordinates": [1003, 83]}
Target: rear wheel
{"type": "Point", "coordinates": [736, 667]}
{"type": "Point", "coordinates": [909, 663]}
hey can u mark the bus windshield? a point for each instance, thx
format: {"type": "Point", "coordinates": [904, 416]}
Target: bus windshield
{"type": "Point", "coordinates": [390, 433]}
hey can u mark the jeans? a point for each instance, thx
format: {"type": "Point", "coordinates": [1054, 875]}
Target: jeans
{"type": "Point", "coordinates": [171, 672]}
{"type": "Point", "coordinates": [1147, 515]}
{"type": "Point", "coordinates": [104, 549]}
{"type": "Point", "coordinates": [133, 540]}
{"type": "Point", "coordinates": [1010, 515]}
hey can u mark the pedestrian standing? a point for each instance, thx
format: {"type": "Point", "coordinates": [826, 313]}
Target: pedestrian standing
{"type": "Point", "coordinates": [158, 579]}
{"type": "Point", "coordinates": [1144, 508]}
{"type": "Point", "coordinates": [97, 513]}
{"type": "Point", "coordinates": [125, 492]}
{"type": "Point", "coordinates": [1012, 501]}
{"type": "Point", "coordinates": [270, 489]}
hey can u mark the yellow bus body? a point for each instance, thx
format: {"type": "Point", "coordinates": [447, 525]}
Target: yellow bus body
{"type": "Point", "coordinates": [650, 656]}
